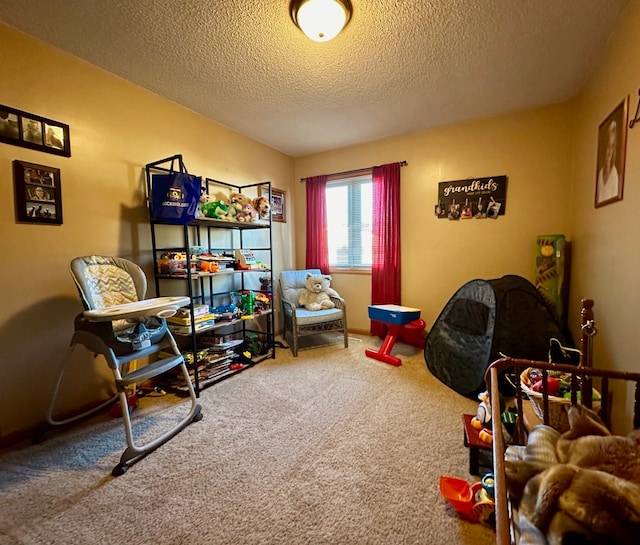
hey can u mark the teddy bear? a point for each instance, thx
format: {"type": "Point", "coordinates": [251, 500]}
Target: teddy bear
{"type": "Point", "coordinates": [262, 207]}
{"type": "Point", "coordinates": [317, 292]}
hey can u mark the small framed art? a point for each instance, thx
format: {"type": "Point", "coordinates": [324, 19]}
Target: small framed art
{"type": "Point", "coordinates": [612, 150]}
{"type": "Point", "coordinates": [278, 205]}
{"type": "Point", "coordinates": [34, 132]}
{"type": "Point", "coordinates": [38, 194]}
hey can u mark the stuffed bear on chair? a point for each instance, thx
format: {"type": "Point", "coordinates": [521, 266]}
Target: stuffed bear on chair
{"type": "Point", "coordinates": [317, 292]}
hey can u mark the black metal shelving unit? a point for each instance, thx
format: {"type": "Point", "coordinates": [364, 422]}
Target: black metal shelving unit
{"type": "Point", "coordinates": [215, 289]}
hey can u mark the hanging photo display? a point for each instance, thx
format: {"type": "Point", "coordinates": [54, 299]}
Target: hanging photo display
{"type": "Point", "coordinates": [477, 198]}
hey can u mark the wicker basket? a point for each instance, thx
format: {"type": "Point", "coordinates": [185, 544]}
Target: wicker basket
{"type": "Point", "coordinates": [558, 406]}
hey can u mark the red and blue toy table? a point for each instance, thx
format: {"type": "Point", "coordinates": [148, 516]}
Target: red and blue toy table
{"type": "Point", "coordinates": [404, 324]}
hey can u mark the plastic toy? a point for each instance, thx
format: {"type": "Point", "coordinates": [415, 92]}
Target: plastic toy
{"type": "Point", "coordinates": [472, 502]}
{"type": "Point", "coordinates": [248, 302]}
{"type": "Point", "coordinates": [263, 302]}
{"type": "Point", "coordinates": [488, 483]}
{"type": "Point", "coordinates": [403, 323]}
{"type": "Point", "coordinates": [483, 414]}
{"type": "Point", "coordinates": [414, 333]}
{"type": "Point", "coordinates": [208, 266]}
{"type": "Point", "coordinates": [226, 312]}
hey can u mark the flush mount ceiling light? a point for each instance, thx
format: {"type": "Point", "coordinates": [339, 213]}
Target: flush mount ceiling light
{"type": "Point", "coordinates": [321, 20]}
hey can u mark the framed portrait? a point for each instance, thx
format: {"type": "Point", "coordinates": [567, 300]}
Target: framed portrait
{"type": "Point", "coordinates": [34, 132]}
{"type": "Point", "coordinates": [612, 150]}
{"type": "Point", "coordinates": [38, 194]}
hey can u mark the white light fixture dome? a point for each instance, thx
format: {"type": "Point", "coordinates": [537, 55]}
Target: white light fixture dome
{"type": "Point", "coordinates": [321, 20]}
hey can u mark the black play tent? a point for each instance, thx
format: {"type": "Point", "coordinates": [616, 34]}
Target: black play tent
{"type": "Point", "coordinates": [486, 318]}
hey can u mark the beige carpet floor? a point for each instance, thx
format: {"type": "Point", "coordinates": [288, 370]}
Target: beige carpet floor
{"type": "Point", "coordinates": [331, 447]}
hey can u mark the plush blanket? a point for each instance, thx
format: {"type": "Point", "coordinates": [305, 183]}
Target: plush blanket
{"type": "Point", "coordinates": [579, 487]}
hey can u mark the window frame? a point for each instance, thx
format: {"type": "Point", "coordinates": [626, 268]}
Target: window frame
{"type": "Point", "coordinates": [353, 181]}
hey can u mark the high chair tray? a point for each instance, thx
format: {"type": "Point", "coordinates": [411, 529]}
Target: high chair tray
{"type": "Point", "coordinates": [162, 307]}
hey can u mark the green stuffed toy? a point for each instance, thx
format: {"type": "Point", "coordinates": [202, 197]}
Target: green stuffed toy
{"type": "Point", "coordinates": [214, 209]}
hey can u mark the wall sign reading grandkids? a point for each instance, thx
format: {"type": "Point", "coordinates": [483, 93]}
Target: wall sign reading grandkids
{"type": "Point", "coordinates": [477, 198]}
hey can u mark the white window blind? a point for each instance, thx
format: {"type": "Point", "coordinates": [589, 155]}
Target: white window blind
{"type": "Point", "coordinates": [349, 222]}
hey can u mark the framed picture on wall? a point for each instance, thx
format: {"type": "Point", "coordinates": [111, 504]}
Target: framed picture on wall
{"type": "Point", "coordinates": [278, 203]}
{"type": "Point", "coordinates": [612, 150]}
{"type": "Point", "coordinates": [38, 194]}
{"type": "Point", "coordinates": [34, 132]}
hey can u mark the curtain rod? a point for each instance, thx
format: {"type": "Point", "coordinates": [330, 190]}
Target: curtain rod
{"type": "Point", "coordinates": [401, 163]}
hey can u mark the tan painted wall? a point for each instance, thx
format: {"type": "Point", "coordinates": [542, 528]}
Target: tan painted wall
{"type": "Point", "coordinates": [606, 252]}
{"type": "Point", "coordinates": [116, 128]}
{"type": "Point", "coordinates": [438, 255]}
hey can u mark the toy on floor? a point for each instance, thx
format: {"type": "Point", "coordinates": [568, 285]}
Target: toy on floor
{"type": "Point", "coordinates": [472, 502]}
{"type": "Point", "coordinates": [404, 323]}
{"type": "Point", "coordinates": [414, 333]}
{"type": "Point", "coordinates": [482, 420]}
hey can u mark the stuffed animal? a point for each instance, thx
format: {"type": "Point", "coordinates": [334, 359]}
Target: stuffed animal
{"type": "Point", "coordinates": [262, 207]}
{"type": "Point", "coordinates": [246, 213]}
{"type": "Point", "coordinates": [204, 199]}
{"type": "Point", "coordinates": [214, 209]}
{"type": "Point", "coordinates": [317, 292]}
{"type": "Point", "coordinates": [236, 202]}
{"type": "Point", "coordinates": [220, 196]}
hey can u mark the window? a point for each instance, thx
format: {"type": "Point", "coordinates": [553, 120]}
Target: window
{"type": "Point", "coordinates": [349, 222]}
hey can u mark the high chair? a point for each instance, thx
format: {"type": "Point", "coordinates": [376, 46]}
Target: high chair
{"type": "Point", "coordinates": [122, 326]}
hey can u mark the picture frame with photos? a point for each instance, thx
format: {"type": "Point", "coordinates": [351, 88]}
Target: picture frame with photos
{"type": "Point", "coordinates": [20, 128]}
{"type": "Point", "coordinates": [611, 158]}
{"type": "Point", "coordinates": [38, 193]}
{"type": "Point", "coordinates": [278, 203]}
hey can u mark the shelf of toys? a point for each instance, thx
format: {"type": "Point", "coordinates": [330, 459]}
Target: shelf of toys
{"type": "Point", "coordinates": [222, 261]}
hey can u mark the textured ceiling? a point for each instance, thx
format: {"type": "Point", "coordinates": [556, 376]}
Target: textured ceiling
{"type": "Point", "coordinates": [399, 66]}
